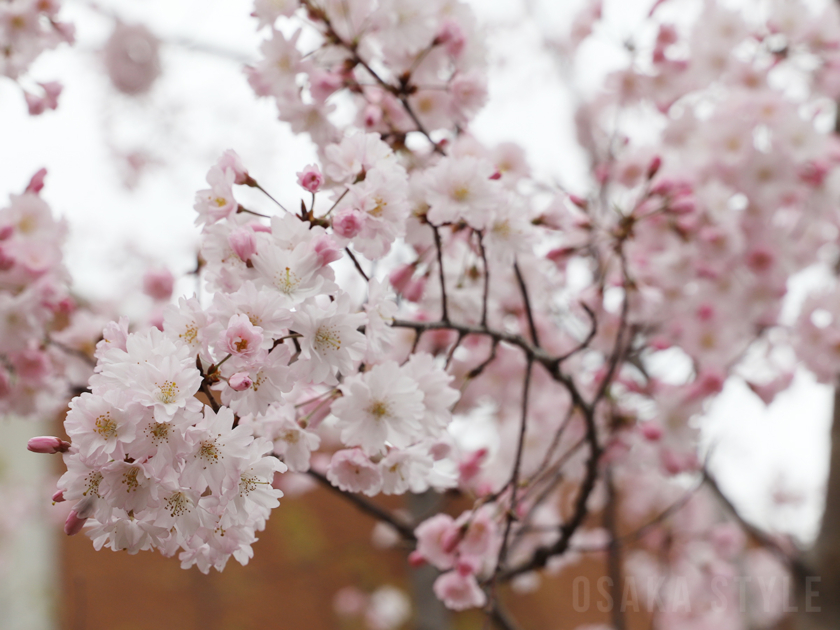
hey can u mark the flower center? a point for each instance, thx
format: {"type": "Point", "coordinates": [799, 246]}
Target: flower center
{"type": "Point", "coordinates": [287, 281]}
{"type": "Point", "coordinates": [327, 338]}
{"type": "Point", "coordinates": [105, 426]}
{"type": "Point", "coordinates": [168, 392]}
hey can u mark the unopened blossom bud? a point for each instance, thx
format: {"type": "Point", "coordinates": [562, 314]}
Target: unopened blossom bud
{"type": "Point", "coordinates": [36, 105]}
{"type": "Point", "coordinates": [401, 277]}
{"type": "Point", "coordinates": [311, 178]}
{"type": "Point", "coordinates": [440, 450]}
{"type": "Point", "coordinates": [348, 222]}
{"type": "Point", "coordinates": [651, 430]}
{"type": "Point", "coordinates": [451, 37]}
{"type": "Point", "coordinates": [326, 249]}
{"type": "Point", "coordinates": [48, 445]}
{"type": "Point", "coordinates": [52, 90]}
{"type": "Point", "coordinates": [73, 525]}
{"type": "Point", "coordinates": [158, 284]}
{"type": "Point", "coordinates": [683, 205]}
{"type": "Point", "coordinates": [322, 84]}
{"type": "Point", "coordinates": [80, 513]}
{"type": "Point", "coordinates": [6, 261]}
{"type": "Point", "coordinates": [240, 381]}
{"type": "Point", "coordinates": [58, 497]}
{"type": "Point", "coordinates": [416, 559]}
{"type": "Point", "coordinates": [468, 565]}
{"type": "Point", "coordinates": [35, 185]}
{"type": "Point", "coordinates": [243, 242]}
{"type": "Point", "coordinates": [470, 467]}
{"type": "Point", "coordinates": [580, 202]}
{"type": "Point", "coordinates": [371, 116]}
{"type": "Point", "coordinates": [654, 166]}
{"type": "Point", "coordinates": [414, 291]}
{"type": "Point", "coordinates": [6, 231]}
{"type": "Point", "coordinates": [230, 160]}
{"type": "Point", "coordinates": [450, 539]}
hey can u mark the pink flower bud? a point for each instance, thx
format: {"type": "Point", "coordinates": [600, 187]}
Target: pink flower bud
{"type": "Point", "coordinates": [243, 242]}
{"type": "Point", "coordinates": [31, 364]}
{"type": "Point", "coordinates": [348, 222]}
{"type": "Point", "coordinates": [414, 291]}
{"type": "Point", "coordinates": [760, 259]}
{"type": "Point", "coordinates": [58, 497]}
{"type": "Point", "coordinates": [36, 105]}
{"type": "Point", "coordinates": [654, 166]}
{"type": "Point", "coordinates": [580, 202]}
{"type": "Point", "coordinates": [322, 84]}
{"type": "Point", "coordinates": [468, 565]}
{"type": "Point", "coordinates": [48, 445]}
{"type": "Point", "coordinates": [6, 261]}
{"type": "Point", "coordinates": [371, 116]}
{"type": "Point", "coordinates": [35, 185]}
{"type": "Point", "coordinates": [73, 525]}
{"type": "Point", "coordinates": [158, 284]}
{"type": "Point", "coordinates": [651, 431]}
{"type": "Point", "coordinates": [326, 249]}
{"type": "Point", "coordinates": [451, 37]}
{"type": "Point", "coordinates": [231, 160]}
{"type": "Point", "coordinates": [6, 231]}
{"type": "Point", "coordinates": [240, 381]}
{"type": "Point", "coordinates": [440, 450]}
{"type": "Point", "coordinates": [52, 90]}
{"type": "Point", "coordinates": [311, 178]}
{"type": "Point", "coordinates": [401, 277]}
{"type": "Point", "coordinates": [416, 559]}
{"type": "Point", "coordinates": [450, 539]}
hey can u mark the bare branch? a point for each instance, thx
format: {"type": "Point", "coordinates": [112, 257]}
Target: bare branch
{"type": "Point", "coordinates": [405, 530]}
{"type": "Point", "coordinates": [527, 301]}
{"type": "Point", "coordinates": [356, 262]}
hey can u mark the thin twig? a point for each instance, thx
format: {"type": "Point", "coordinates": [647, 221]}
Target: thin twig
{"type": "Point", "coordinates": [404, 529]}
{"type": "Point", "coordinates": [266, 193]}
{"type": "Point", "coordinates": [585, 343]}
{"type": "Point", "coordinates": [356, 262]}
{"type": "Point", "coordinates": [444, 301]}
{"type": "Point", "coordinates": [796, 564]}
{"type": "Point", "coordinates": [531, 325]}
{"type": "Point", "coordinates": [486, 279]}
{"type": "Point", "coordinates": [614, 553]}
{"type": "Point", "coordinates": [514, 478]}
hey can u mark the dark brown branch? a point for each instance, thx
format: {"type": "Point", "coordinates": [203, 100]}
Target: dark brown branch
{"type": "Point", "coordinates": [542, 554]}
{"type": "Point", "coordinates": [266, 193]}
{"type": "Point", "coordinates": [614, 553]}
{"type": "Point", "coordinates": [405, 530]}
{"type": "Point", "coordinates": [585, 343]}
{"type": "Point", "coordinates": [514, 477]}
{"type": "Point", "coordinates": [356, 262]}
{"type": "Point", "coordinates": [443, 299]}
{"type": "Point", "coordinates": [528, 312]}
{"type": "Point", "coordinates": [501, 617]}
{"type": "Point", "coordinates": [486, 279]}
{"type": "Point", "coordinates": [796, 564]}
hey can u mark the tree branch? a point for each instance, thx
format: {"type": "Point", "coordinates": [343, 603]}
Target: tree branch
{"type": "Point", "coordinates": [405, 530]}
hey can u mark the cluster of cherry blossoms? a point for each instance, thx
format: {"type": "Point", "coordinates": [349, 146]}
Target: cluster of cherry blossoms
{"type": "Point", "coordinates": [508, 342]}
{"type": "Point", "coordinates": [405, 65]}
{"type": "Point", "coordinates": [41, 330]}
{"type": "Point", "coordinates": [28, 28]}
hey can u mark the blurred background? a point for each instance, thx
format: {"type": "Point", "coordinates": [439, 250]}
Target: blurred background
{"type": "Point", "coordinates": [124, 162]}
